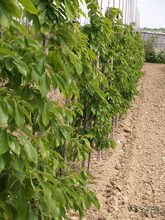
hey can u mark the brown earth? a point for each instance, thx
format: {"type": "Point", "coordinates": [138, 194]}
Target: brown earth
{"type": "Point", "coordinates": [130, 182]}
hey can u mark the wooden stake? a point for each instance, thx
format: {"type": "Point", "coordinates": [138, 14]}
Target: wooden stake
{"type": "Point", "coordinates": [99, 155]}
{"type": "Point", "coordinates": [113, 127]}
{"type": "Point", "coordinates": [84, 124]}
{"type": "Point", "coordinates": [89, 162]}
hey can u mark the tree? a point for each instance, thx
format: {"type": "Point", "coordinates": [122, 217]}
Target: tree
{"type": "Point", "coordinates": [42, 49]}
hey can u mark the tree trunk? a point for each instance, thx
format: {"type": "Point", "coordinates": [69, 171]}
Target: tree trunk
{"type": "Point", "coordinates": [45, 43]}
{"type": "Point", "coordinates": [113, 127]}
{"type": "Point", "coordinates": [99, 155]}
{"type": "Point", "coordinates": [89, 162]}
{"type": "Point", "coordinates": [66, 141]}
{"type": "Point", "coordinates": [117, 120]}
{"type": "Point", "coordinates": [84, 124]}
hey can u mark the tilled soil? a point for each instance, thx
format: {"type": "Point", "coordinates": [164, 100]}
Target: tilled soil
{"type": "Point", "coordinates": [130, 182]}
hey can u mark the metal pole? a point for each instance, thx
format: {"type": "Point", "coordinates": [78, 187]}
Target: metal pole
{"type": "Point", "coordinates": [126, 10]}
{"type": "Point", "coordinates": [85, 22]}
{"type": "Point", "coordinates": [123, 9]}
{"type": "Point", "coordinates": [138, 21]}
{"type": "Point", "coordinates": [128, 13]}
{"type": "Point", "coordinates": [136, 14]}
{"type": "Point", "coordinates": [108, 7]}
{"type": "Point", "coordinates": [114, 3]}
{"type": "Point", "coordinates": [123, 5]}
{"type": "Point", "coordinates": [119, 4]}
{"type": "Point", "coordinates": [130, 7]}
{"type": "Point", "coordinates": [108, 4]}
{"type": "Point", "coordinates": [133, 11]}
{"type": "Point", "coordinates": [101, 5]}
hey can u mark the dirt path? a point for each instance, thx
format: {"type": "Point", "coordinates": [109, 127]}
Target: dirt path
{"type": "Point", "coordinates": [130, 182]}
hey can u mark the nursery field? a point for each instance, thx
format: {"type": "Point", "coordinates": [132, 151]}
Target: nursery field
{"type": "Point", "coordinates": [47, 142]}
{"type": "Point", "coordinates": [81, 125]}
{"type": "Point", "coordinates": [130, 182]}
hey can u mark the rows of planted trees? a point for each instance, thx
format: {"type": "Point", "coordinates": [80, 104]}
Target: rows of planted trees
{"type": "Point", "coordinates": [96, 68]}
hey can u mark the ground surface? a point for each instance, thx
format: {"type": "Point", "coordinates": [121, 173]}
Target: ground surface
{"type": "Point", "coordinates": [130, 182]}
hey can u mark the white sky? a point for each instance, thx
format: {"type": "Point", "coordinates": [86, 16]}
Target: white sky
{"type": "Point", "coordinates": [152, 13]}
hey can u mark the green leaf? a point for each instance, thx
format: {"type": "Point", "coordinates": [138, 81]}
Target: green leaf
{"type": "Point", "coordinates": [45, 115]}
{"type": "Point", "coordinates": [29, 149]}
{"type": "Point", "coordinates": [54, 80]}
{"type": "Point", "coordinates": [44, 85]}
{"type": "Point", "coordinates": [87, 143]}
{"type": "Point", "coordinates": [41, 64]}
{"type": "Point", "coordinates": [41, 6]}
{"type": "Point", "coordinates": [3, 115]}
{"type": "Point", "coordinates": [86, 199]}
{"type": "Point", "coordinates": [94, 200]}
{"type": "Point", "coordinates": [45, 29]}
{"type": "Point", "coordinates": [25, 112]}
{"type": "Point", "coordinates": [6, 52]}
{"type": "Point", "coordinates": [14, 145]}
{"type": "Point", "coordinates": [4, 17]}
{"type": "Point", "coordinates": [55, 59]}
{"type": "Point", "coordinates": [28, 6]}
{"type": "Point", "coordinates": [75, 60]}
{"type": "Point", "coordinates": [26, 213]}
{"type": "Point", "coordinates": [3, 142]}
{"type": "Point", "coordinates": [7, 11]}
{"type": "Point", "coordinates": [60, 197]}
{"type": "Point", "coordinates": [113, 144]}
{"type": "Point", "coordinates": [22, 68]}
{"type": "Point", "coordinates": [19, 27]}
{"type": "Point", "coordinates": [69, 9]}
{"type": "Point", "coordinates": [2, 163]}
{"type": "Point", "coordinates": [32, 215]}
{"type": "Point", "coordinates": [44, 150]}
{"type": "Point", "coordinates": [10, 107]}
{"type": "Point", "coordinates": [19, 116]}
{"type": "Point", "coordinates": [35, 73]}
{"type": "Point", "coordinates": [18, 164]}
